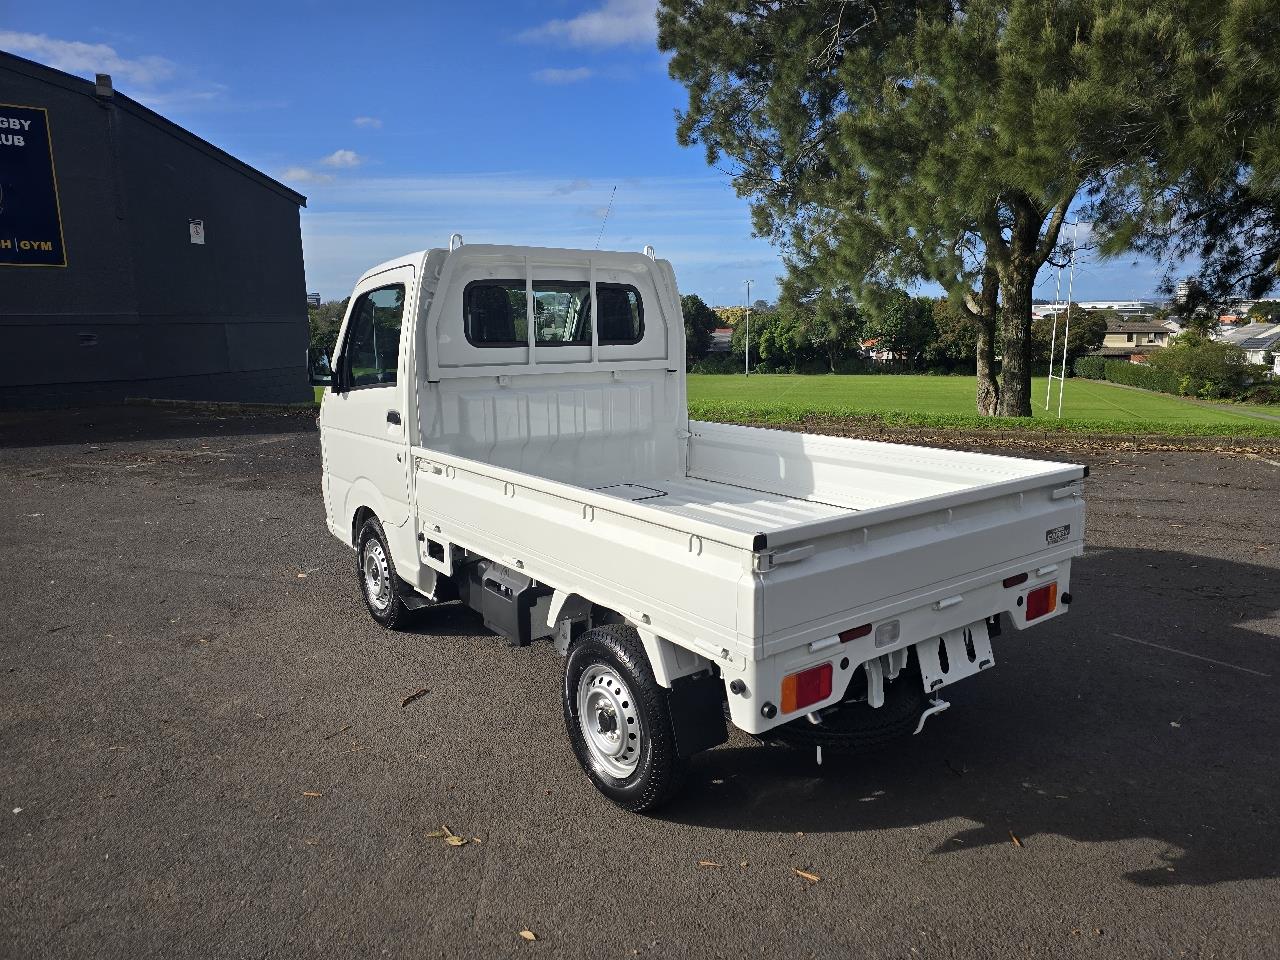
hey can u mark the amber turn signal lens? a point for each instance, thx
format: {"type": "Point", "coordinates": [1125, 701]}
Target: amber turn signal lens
{"type": "Point", "coordinates": [803, 689]}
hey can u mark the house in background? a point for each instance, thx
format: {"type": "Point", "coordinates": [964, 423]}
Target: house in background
{"type": "Point", "coordinates": [1257, 347]}
{"type": "Point", "coordinates": [1133, 340]}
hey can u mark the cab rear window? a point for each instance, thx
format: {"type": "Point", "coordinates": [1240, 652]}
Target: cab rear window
{"type": "Point", "coordinates": [495, 313]}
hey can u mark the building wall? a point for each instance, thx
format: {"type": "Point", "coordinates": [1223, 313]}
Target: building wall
{"type": "Point", "coordinates": [139, 310]}
{"type": "Point", "coordinates": [1139, 339]}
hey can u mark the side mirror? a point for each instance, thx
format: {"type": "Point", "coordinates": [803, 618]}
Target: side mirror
{"type": "Point", "coordinates": [318, 370]}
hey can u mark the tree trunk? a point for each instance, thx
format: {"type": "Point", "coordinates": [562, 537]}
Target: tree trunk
{"type": "Point", "coordinates": [988, 387]}
{"type": "Point", "coordinates": [1015, 340]}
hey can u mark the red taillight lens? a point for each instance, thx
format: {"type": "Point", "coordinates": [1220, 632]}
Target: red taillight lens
{"type": "Point", "coordinates": [1015, 580]}
{"type": "Point", "coordinates": [802, 689]}
{"type": "Point", "coordinates": [1042, 600]}
{"type": "Point", "coordinates": [855, 632]}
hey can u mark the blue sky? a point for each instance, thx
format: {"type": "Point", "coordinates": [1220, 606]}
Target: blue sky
{"type": "Point", "coordinates": [509, 122]}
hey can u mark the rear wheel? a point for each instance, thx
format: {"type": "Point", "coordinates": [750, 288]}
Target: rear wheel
{"type": "Point", "coordinates": [617, 719]}
{"type": "Point", "coordinates": [379, 583]}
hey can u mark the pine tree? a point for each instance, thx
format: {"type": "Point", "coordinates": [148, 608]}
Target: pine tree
{"type": "Point", "coordinates": [887, 142]}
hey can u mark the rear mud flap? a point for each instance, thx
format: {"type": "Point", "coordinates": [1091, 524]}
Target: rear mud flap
{"type": "Point", "coordinates": [955, 655]}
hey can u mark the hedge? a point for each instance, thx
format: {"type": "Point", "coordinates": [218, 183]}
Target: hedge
{"type": "Point", "coordinates": [1130, 374]}
{"type": "Point", "coordinates": [1092, 368]}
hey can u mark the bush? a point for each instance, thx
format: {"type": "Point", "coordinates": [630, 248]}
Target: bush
{"type": "Point", "coordinates": [718, 363]}
{"type": "Point", "coordinates": [1262, 393]}
{"type": "Point", "coordinates": [1209, 369]}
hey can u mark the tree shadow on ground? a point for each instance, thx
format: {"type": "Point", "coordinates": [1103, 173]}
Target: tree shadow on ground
{"type": "Point", "coordinates": [1078, 733]}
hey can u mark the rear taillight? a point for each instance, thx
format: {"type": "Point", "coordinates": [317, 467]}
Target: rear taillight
{"type": "Point", "coordinates": [853, 633]}
{"type": "Point", "coordinates": [1015, 580]}
{"type": "Point", "coordinates": [805, 688]}
{"type": "Point", "coordinates": [1042, 600]}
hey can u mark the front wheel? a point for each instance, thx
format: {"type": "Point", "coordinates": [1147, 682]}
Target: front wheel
{"type": "Point", "coordinates": [618, 721]}
{"type": "Point", "coordinates": [379, 583]}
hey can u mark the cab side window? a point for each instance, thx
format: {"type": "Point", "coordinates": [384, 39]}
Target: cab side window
{"type": "Point", "coordinates": [372, 353]}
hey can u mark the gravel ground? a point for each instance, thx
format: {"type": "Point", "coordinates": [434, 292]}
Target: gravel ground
{"type": "Point", "coordinates": [204, 751]}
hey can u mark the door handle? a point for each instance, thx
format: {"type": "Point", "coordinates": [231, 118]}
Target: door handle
{"type": "Point", "coordinates": [393, 416]}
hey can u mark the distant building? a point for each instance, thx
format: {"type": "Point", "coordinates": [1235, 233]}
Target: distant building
{"type": "Point", "coordinates": [720, 340]}
{"type": "Point", "coordinates": [1126, 308]}
{"type": "Point", "coordinates": [313, 299]}
{"type": "Point", "coordinates": [1257, 348]}
{"type": "Point", "coordinates": [1133, 340]}
{"type": "Point", "coordinates": [1255, 339]}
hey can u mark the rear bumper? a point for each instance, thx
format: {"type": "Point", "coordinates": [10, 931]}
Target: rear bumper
{"type": "Point", "coordinates": [759, 707]}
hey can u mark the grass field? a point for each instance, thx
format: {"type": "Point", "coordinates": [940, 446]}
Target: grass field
{"type": "Point", "coordinates": [1090, 405]}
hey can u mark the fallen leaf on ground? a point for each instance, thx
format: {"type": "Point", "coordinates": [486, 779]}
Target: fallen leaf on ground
{"type": "Point", "coordinates": [709, 863]}
{"type": "Point", "coordinates": [805, 875]}
{"type": "Point", "coordinates": [1014, 838]}
{"type": "Point", "coordinates": [529, 935]}
{"type": "Point", "coordinates": [448, 836]}
{"type": "Point", "coordinates": [414, 696]}
{"type": "Point", "coordinates": [336, 732]}
{"type": "Point", "coordinates": [302, 576]}
{"type": "Point", "coordinates": [311, 793]}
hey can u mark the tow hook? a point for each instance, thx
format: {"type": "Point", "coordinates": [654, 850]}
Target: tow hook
{"type": "Point", "coordinates": [937, 706]}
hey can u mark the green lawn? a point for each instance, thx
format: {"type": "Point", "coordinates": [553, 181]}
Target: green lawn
{"type": "Point", "coordinates": [1090, 405]}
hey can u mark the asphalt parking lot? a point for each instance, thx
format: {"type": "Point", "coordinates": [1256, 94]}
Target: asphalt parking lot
{"type": "Point", "coordinates": [204, 750]}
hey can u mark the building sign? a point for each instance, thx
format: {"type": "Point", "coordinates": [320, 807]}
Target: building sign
{"type": "Point", "coordinates": [197, 230]}
{"type": "Point", "coordinates": [30, 220]}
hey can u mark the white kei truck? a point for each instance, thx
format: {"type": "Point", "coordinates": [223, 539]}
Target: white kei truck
{"type": "Point", "coordinates": [507, 426]}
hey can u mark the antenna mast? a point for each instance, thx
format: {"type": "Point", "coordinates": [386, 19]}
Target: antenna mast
{"type": "Point", "coordinates": [607, 211]}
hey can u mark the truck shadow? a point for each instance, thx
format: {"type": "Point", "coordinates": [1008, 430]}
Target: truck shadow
{"type": "Point", "coordinates": [1079, 733]}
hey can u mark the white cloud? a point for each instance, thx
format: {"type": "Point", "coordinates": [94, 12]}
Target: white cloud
{"type": "Point", "coordinates": [86, 59]}
{"type": "Point", "coordinates": [343, 159]}
{"type": "Point", "coordinates": [614, 23]}
{"type": "Point", "coordinates": [558, 76]}
{"type": "Point", "coordinates": [303, 175]}
{"type": "Point", "coordinates": [372, 123]}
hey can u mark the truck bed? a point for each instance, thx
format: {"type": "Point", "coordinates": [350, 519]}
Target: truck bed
{"type": "Point", "coordinates": [792, 486]}
{"type": "Point", "coordinates": [771, 540]}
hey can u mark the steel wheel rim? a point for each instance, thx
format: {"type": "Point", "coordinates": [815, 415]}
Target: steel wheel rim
{"type": "Point", "coordinates": [377, 574]}
{"type": "Point", "coordinates": [609, 721]}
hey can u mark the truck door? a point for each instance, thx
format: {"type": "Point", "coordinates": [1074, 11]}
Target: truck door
{"type": "Point", "coordinates": [365, 440]}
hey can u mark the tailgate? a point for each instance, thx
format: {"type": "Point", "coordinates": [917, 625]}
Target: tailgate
{"type": "Point", "coordinates": [840, 579]}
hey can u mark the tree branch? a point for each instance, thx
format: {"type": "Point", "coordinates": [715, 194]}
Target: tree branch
{"type": "Point", "coordinates": [1050, 238]}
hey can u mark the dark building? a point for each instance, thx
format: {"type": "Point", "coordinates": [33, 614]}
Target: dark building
{"type": "Point", "coordinates": [137, 260]}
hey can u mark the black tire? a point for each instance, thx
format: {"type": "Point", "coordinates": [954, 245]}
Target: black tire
{"type": "Point", "coordinates": [658, 772]}
{"type": "Point", "coordinates": [387, 608]}
{"type": "Point", "coordinates": [857, 728]}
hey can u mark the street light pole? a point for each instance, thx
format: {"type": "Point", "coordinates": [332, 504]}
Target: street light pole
{"type": "Point", "coordinates": [746, 358]}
